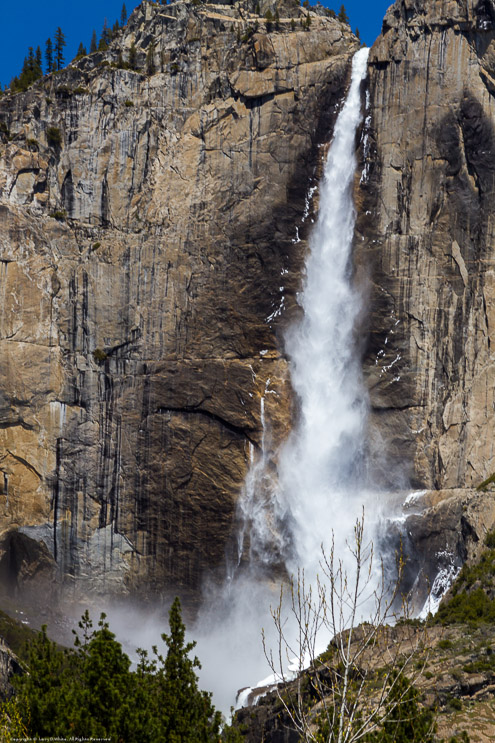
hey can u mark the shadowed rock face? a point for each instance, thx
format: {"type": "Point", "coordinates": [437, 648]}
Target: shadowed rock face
{"type": "Point", "coordinates": [147, 251]}
{"type": "Point", "coordinates": [426, 234]}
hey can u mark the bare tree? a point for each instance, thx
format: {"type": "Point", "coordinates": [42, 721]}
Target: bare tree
{"type": "Point", "coordinates": [352, 689]}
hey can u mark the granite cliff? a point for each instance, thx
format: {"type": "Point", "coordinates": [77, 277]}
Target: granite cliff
{"type": "Point", "coordinates": [425, 237]}
{"type": "Point", "coordinates": [153, 225]}
{"type": "Point", "coordinates": [152, 235]}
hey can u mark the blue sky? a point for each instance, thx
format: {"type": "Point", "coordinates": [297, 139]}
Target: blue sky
{"type": "Point", "coordinates": [31, 22]}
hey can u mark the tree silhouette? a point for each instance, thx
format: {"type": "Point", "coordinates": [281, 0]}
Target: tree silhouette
{"type": "Point", "coordinates": [60, 43]}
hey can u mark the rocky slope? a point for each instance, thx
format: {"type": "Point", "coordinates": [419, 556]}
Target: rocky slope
{"type": "Point", "coordinates": [147, 249]}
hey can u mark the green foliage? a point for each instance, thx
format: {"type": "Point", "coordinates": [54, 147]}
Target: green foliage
{"type": "Point", "coordinates": [58, 49]}
{"type": "Point", "coordinates": [59, 214]}
{"type": "Point", "coordinates": [150, 59]}
{"type": "Point", "coordinates": [405, 720]}
{"type": "Point", "coordinates": [268, 20]}
{"type": "Point", "coordinates": [81, 51]}
{"type": "Point", "coordinates": [483, 664]}
{"type": "Point", "coordinates": [90, 691]}
{"type": "Point", "coordinates": [484, 485]}
{"type": "Point", "coordinates": [12, 727]}
{"type": "Point", "coordinates": [472, 600]}
{"type": "Point", "coordinates": [54, 136]}
{"type": "Point", "coordinates": [123, 16]}
{"type": "Point", "coordinates": [49, 56]}
{"type": "Point", "coordinates": [474, 607]}
{"type": "Point", "coordinates": [15, 634]}
{"type": "Point", "coordinates": [445, 644]}
{"type": "Point", "coordinates": [490, 540]}
{"type": "Point", "coordinates": [93, 47]}
{"type": "Point", "coordinates": [190, 715]}
{"type": "Point", "coordinates": [128, 103]}
{"type": "Point", "coordinates": [132, 62]}
{"type": "Point", "coordinates": [460, 738]}
{"type": "Point", "coordinates": [31, 71]}
{"type": "Point", "coordinates": [99, 354]}
{"type": "Point", "coordinates": [342, 16]}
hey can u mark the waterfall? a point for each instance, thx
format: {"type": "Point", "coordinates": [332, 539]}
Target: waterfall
{"type": "Point", "coordinates": [320, 470]}
{"type": "Point", "coordinates": [322, 466]}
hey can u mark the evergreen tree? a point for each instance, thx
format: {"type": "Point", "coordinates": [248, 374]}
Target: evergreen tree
{"type": "Point", "coordinates": [115, 29]}
{"type": "Point", "coordinates": [31, 71]}
{"type": "Point", "coordinates": [39, 61]}
{"type": "Point", "coordinates": [91, 691]}
{"type": "Point", "coordinates": [150, 59]}
{"type": "Point", "coordinates": [188, 714]}
{"type": "Point", "coordinates": [41, 693]}
{"type": "Point", "coordinates": [405, 720]}
{"type": "Point", "coordinates": [99, 700]}
{"type": "Point", "coordinates": [123, 16]}
{"type": "Point", "coordinates": [94, 43]}
{"type": "Point", "coordinates": [357, 34]}
{"type": "Point", "coordinates": [342, 16]}
{"type": "Point", "coordinates": [133, 56]}
{"type": "Point", "coordinates": [105, 37]}
{"type": "Point", "coordinates": [49, 56]}
{"type": "Point", "coordinates": [60, 43]}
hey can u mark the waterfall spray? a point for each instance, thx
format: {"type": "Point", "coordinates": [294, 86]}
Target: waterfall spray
{"type": "Point", "coordinates": [321, 468]}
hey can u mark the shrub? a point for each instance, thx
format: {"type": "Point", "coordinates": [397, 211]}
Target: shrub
{"type": "Point", "coordinates": [99, 355]}
{"type": "Point", "coordinates": [59, 214]}
{"type": "Point", "coordinates": [444, 644]}
{"type": "Point", "coordinates": [483, 486]}
{"type": "Point", "coordinates": [53, 136]}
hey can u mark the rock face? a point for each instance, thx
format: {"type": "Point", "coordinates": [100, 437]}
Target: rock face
{"type": "Point", "coordinates": [426, 235]}
{"type": "Point", "coordinates": [147, 249]}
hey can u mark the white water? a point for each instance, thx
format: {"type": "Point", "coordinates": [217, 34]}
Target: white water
{"type": "Point", "coordinates": [321, 469]}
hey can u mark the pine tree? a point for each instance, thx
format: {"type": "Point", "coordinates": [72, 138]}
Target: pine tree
{"type": "Point", "coordinates": [123, 16]}
{"type": "Point", "coordinates": [94, 43]}
{"type": "Point", "coordinates": [60, 43]}
{"type": "Point", "coordinates": [39, 61]}
{"type": "Point", "coordinates": [115, 29]}
{"type": "Point", "coordinates": [188, 714]}
{"type": "Point", "coordinates": [150, 59]}
{"type": "Point", "coordinates": [31, 71]}
{"type": "Point", "coordinates": [49, 56]}
{"type": "Point", "coordinates": [81, 51]}
{"type": "Point", "coordinates": [342, 16]}
{"type": "Point", "coordinates": [41, 694]}
{"type": "Point", "coordinates": [105, 37]}
{"type": "Point", "coordinates": [133, 57]}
